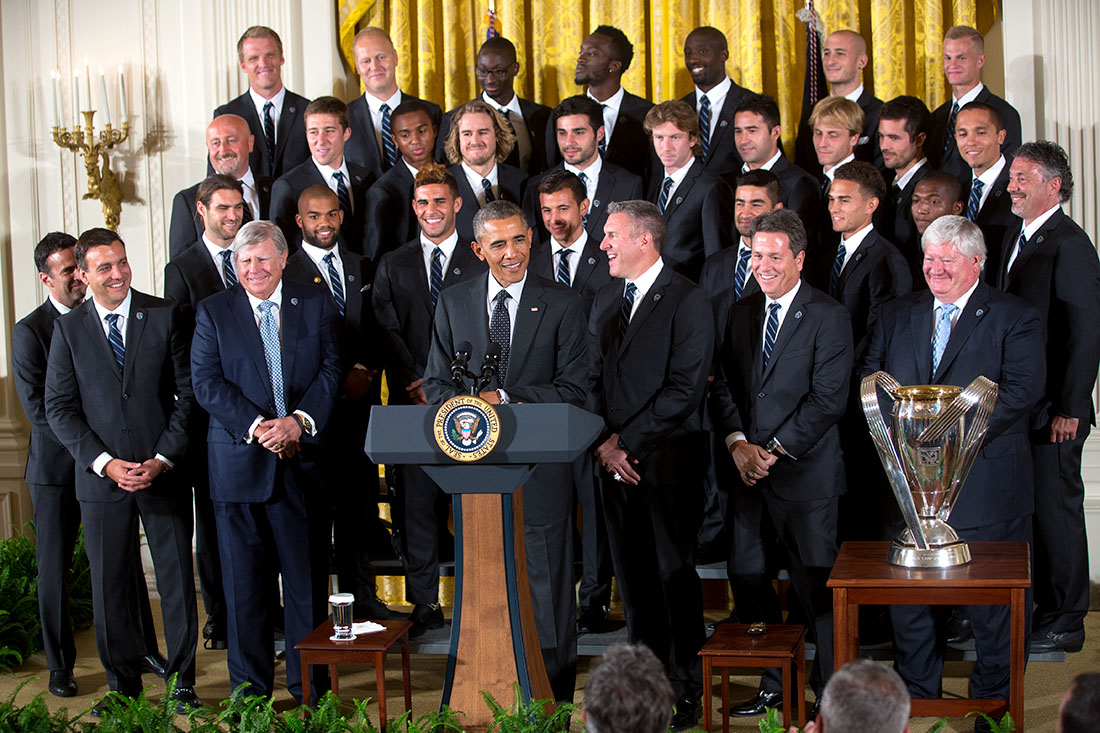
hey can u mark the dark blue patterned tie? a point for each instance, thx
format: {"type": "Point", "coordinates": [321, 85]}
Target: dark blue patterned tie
{"type": "Point", "coordinates": [704, 125]}
{"type": "Point", "coordinates": [389, 149]}
{"type": "Point", "coordinates": [975, 202]}
{"type": "Point", "coordinates": [838, 265]}
{"type": "Point", "coordinates": [343, 195]}
{"type": "Point", "coordinates": [949, 136]}
{"type": "Point", "coordinates": [247, 215]}
{"type": "Point", "coordinates": [500, 332]}
{"type": "Point", "coordinates": [606, 133]}
{"type": "Point", "coordinates": [666, 188]}
{"type": "Point", "coordinates": [335, 282]}
{"type": "Point", "coordinates": [741, 276]}
{"type": "Point", "coordinates": [269, 134]}
{"type": "Point", "coordinates": [227, 268]}
{"type": "Point", "coordinates": [1021, 243]}
{"type": "Point", "coordinates": [437, 274]}
{"type": "Point", "coordinates": [114, 337]}
{"type": "Point", "coordinates": [584, 180]}
{"type": "Point", "coordinates": [273, 355]}
{"type": "Point", "coordinates": [771, 331]}
{"type": "Point", "coordinates": [626, 307]}
{"type": "Point", "coordinates": [562, 275]}
{"type": "Point", "coordinates": [487, 187]}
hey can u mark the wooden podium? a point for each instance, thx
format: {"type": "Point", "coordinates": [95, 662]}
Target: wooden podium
{"type": "Point", "coordinates": [494, 643]}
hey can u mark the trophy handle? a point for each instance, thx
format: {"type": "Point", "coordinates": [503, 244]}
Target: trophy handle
{"type": "Point", "coordinates": [891, 462]}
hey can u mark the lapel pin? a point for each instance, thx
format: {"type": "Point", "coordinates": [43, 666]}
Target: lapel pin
{"type": "Point", "coordinates": [979, 311]}
{"type": "Point", "coordinates": [656, 297]}
{"type": "Point", "coordinates": [294, 301]}
{"type": "Point", "coordinates": [139, 315]}
{"type": "Point", "coordinates": [591, 260]}
{"type": "Point", "coordinates": [798, 314]}
{"type": "Point", "coordinates": [679, 199]}
{"type": "Point", "coordinates": [351, 278]}
{"type": "Point", "coordinates": [722, 123]}
{"type": "Point", "coordinates": [458, 271]}
{"type": "Point", "coordinates": [596, 203]}
{"type": "Point", "coordinates": [317, 280]}
{"type": "Point", "coordinates": [291, 109]}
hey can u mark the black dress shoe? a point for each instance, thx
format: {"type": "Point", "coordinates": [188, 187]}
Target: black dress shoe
{"type": "Point", "coordinates": [186, 698]}
{"type": "Point", "coordinates": [757, 705]}
{"type": "Point", "coordinates": [62, 683]}
{"type": "Point", "coordinates": [685, 714]}
{"type": "Point", "coordinates": [100, 708]}
{"type": "Point", "coordinates": [814, 712]}
{"type": "Point", "coordinates": [426, 616]}
{"type": "Point", "coordinates": [959, 630]}
{"type": "Point", "coordinates": [592, 620]}
{"type": "Point", "coordinates": [154, 663]}
{"type": "Point", "coordinates": [373, 609]}
{"type": "Point", "coordinates": [981, 725]}
{"type": "Point", "coordinates": [1053, 641]}
{"type": "Point", "coordinates": [214, 634]}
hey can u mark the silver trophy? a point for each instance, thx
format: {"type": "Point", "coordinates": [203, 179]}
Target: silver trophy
{"type": "Point", "coordinates": [927, 449]}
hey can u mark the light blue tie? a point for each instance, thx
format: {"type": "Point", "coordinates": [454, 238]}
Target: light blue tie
{"type": "Point", "coordinates": [942, 334]}
{"type": "Point", "coordinates": [269, 333]}
{"type": "Point", "coordinates": [770, 332]}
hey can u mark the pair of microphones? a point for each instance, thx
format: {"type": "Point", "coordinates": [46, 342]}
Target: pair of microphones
{"type": "Point", "coordinates": [460, 371]}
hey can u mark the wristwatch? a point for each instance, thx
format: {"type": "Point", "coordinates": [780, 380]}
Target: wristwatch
{"type": "Point", "coordinates": [305, 423]}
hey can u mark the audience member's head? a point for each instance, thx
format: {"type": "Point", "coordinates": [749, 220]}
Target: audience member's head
{"type": "Point", "coordinates": [1080, 708]}
{"type": "Point", "coordinates": [864, 696]}
{"type": "Point", "coordinates": [628, 692]}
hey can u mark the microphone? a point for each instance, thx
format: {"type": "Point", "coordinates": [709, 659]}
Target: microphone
{"type": "Point", "coordinates": [458, 365]}
{"type": "Point", "coordinates": [489, 366]}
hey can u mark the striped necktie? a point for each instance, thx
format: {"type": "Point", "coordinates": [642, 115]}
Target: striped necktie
{"type": "Point", "coordinates": [269, 134]}
{"type": "Point", "coordinates": [436, 280]}
{"type": "Point", "coordinates": [771, 331]}
{"type": "Point", "coordinates": [487, 187]}
{"type": "Point", "coordinates": [949, 136]}
{"type": "Point", "coordinates": [704, 125]}
{"type": "Point", "coordinates": [227, 268]}
{"type": "Point", "coordinates": [335, 282]}
{"type": "Point", "coordinates": [114, 337]}
{"type": "Point", "coordinates": [838, 265]}
{"type": "Point", "coordinates": [562, 274]}
{"type": "Point", "coordinates": [584, 180]}
{"type": "Point", "coordinates": [741, 275]}
{"type": "Point", "coordinates": [666, 189]}
{"type": "Point", "coordinates": [343, 195]}
{"type": "Point", "coordinates": [389, 148]}
{"type": "Point", "coordinates": [975, 202]}
{"type": "Point", "coordinates": [627, 307]}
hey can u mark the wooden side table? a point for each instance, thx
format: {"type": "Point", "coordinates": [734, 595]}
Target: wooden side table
{"type": "Point", "coordinates": [782, 647]}
{"type": "Point", "coordinates": [368, 649]}
{"type": "Point", "coordinates": [999, 573]}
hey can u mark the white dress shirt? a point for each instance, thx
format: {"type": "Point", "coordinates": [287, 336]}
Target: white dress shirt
{"type": "Point", "coordinates": [591, 175]}
{"type": "Point", "coordinates": [215, 253]}
{"type": "Point", "coordinates": [904, 180]}
{"type": "Point", "coordinates": [374, 106]}
{"type": "Point", "coordinates": [643, 283]}
{"type": "Point", "coordinates": [318, 255]}
{"type": "Point", "coordinates": [677, 178]}
{"type": "Point", "coordinates": [610, 112]}
{"type": "Point", "coordinates": [475, 178]}
{"type": "Point", "coordinates": [988, 179]}
{"type": "Point", "coordinates": [717, 96]}
{"type": "Point", "coordinates": [576, 248]}
{"type": "Point", "coordinates": [447, 247]}
{"type": "Point", "coordinates": [767, 166]}
{"type": "Point", "coordinates": [1030, 230]}
{"type": "Point", "coordinates": [830, 172]}
{"type": "Point", "coordinates": [251, 195]}
{"type": "Point", "coordinates": [276, 112]}
{"type": "Point", "coordinates": [330, 181]}
{"type": "Point", "coordinates": [852, 243]}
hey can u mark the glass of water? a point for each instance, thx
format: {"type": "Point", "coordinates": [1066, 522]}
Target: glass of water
{"type": "Point", "coordinates": [342, 606]}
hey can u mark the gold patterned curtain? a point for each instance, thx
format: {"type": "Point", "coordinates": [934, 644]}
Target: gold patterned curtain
{"type": "Point", "coordinates": [437, 41]}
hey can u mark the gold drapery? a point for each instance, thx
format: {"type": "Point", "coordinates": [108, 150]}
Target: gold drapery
{"type": "Point", "coordinates": [437, 41]}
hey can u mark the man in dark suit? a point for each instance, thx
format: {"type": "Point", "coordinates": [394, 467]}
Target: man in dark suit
{"type": "Point", "coordinates": [327, 132]}
{"type": "Point", "coordinates": [229, 142]}
{"type": "Point", "coordinates": [479, 143]}
{"type": "Point", "coordinates": [197, 273]}
{"type": "Point", "coordinates": [957, 330]}
{"type": "Point", "coordinates": [496, 68]}
{"type": "Point", "coordinates": [526, 316]}
{"type": "Point", "coordinates": [756, 130]}
{"type": "Point", "coordinates": [123, 415]}
{"type": "Point", "coordinates": [979, 134]}
{"type": "Point", "coordinates": [696, 204]}
{"type": "Point", "coordinates": [937, 194]}
{"type": "Point", "coordinates": [266, 368]}
{"type": "Point", "coordinates": [651, 339]}
{"type": "Point", "coordinates": [578, 126]}
{"type": "Point", "coordinates": [902, 131]}
{"type": "Point", "coordinates": [836, 123]}
{"type": "Point", "coordinates": [715, 98]}
{"type": "Point", "coordinates": [963, 58]}
{"type": "Point", "coordinates": [405, 293]}
{"type": "Point", "coordinates": [371, 146]}
{"type": "Point", "coordinates": [390, 220]}
{"type": "Point", "coordinates": [1051, 263]}
{"type": "Point", "coordinates": [604, 57]}
{"type": "Point", "coordinates": [275, 114]}
{"type": "Point", "coordinates": [727, 276]}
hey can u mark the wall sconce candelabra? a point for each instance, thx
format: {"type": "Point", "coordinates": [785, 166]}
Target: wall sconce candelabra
{"type": "Point", "coordinates": [102, 184]}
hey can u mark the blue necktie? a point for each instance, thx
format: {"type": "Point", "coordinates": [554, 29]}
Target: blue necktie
{"type": "Point", "coordinates": [389, 148]}
{"type": "Point", "coordinates": [269, 134]}
{"type": "Point", "coordinates": [838, 265]}
{"type": "Point", "coordinates": [741, 276]}
{"type": "Point", "coordinates": [584, 180]}
{"type": "Point", "coordinates": [627, 307]}
{"type": "Point", "coordinates": [269, 334]}
{"type": "Point", "coordinates": [949, 136]}
{"type": "Point", "coordinates": [436, 284]}
{"type": "Point", "coordinates": [942, 334]}
{"type": "Point", "coordinates": [704, 125]}
{"type": "Point", "coordinates": [500, 332]}
{"type": "Point", "coordinates": [666, 189]}
{"type": "Point", "coordinates": [487, 187]}
{"type": "Point", "coordinates": [975, 202]}
{"type": "Point", "coordinates": [114, 337]}
{"type": "Point", "coordinates": [227, 268]}
{"type": "Point", "coordinates": [343, 195]}
{"type": "Point", "coordinates": [562, 274]}
{"type": "Point", "coordinates": [771, 331]}
{"type": "Point", "coordinates": [1020, 244]}
{"type": "Point", "coordinates": [606, 133]}
{"type": "Point", "coordinates": [334, 280]}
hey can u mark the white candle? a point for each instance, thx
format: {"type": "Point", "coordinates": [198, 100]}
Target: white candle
{"type": "Point", "coordinates": [122, 95]}
{"type": "Point", "coordinates": [76, 99]}
{"type": "Point", "coordinates": [53, 93]}
{"type": "Point", "coordinates": [103, 96]}
{"type": "Point", "coordinates": [88, 83]}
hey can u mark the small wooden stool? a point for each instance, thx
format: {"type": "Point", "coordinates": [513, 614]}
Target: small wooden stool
{"type": "Point", "coordinates": [782, 647]}
{"type": "Point", "coordinates": [369, 649]}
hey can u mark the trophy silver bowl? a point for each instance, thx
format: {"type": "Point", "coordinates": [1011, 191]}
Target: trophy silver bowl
{"type": "Point", "coordinates": [927, 448]}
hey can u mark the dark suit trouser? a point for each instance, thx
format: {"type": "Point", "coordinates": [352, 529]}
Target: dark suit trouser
{"type": "Point", "coordinates": [56, 523]}
{"type": "Point", "coordinates": [595, 587]}
{"type": "Point", "coordinates": [207, 559]}
{"type": "Point", "coordinates": [111, 533]}
{"type": "Point", "coordinates": [246, 534]}
{"type": "Point", "coordinates": [754, 596]}
{"type": "Point", "coordinates": [920, 639]}
{"type": "Point", "coordinates": [652, 531]}
{"type": "Point", "coordinates": [422, 501]}
{"type": "Point", "coordinates": [1061, 548]}
{"type": "Point", "coordinates": [547, 533]}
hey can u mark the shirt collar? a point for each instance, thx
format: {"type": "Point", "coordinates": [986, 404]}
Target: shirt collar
{"type": "Point", "coordinates": [645, 281]}
{"type": "Point", "coordinates": [447, 245]}
{"type": "Point", "coordinates": [1030, 229]}
{"type": "Point", "coordinates": [962, 300]}
{"type": "Point", "coordinates": [317, 254]}
{"type": "Point", "coordinates": [592, 172]}
{"type": "Point", "coordinates": [259, 101]}
{"type": "Point", "coordinates": [213, 249]}
{"type": "Point", "coordinates": [786, 299]}
{"type": "Point", "coordinates": [851, 244]}
{"type": "Point", "coordinates": [512, 106]}
{"type": "Point", "coordinates": [412, 171]}
{"type": "Point", "coordinates": [248, 179]}
{"type": "Point", "coordinates": [678, 176]}
{"type": "Point", "coordinates": [123, 308]}
{"type": "Point", "coordinates": [855, 94]}
{"type": "Point", "coordinates": [614, 101]}
{"type": "Point", "coordinates": [717, 93]}
{"type": "Point", "coordinates": [832, 171]}
{"type": "Point", "coordinates": [990, 176]}
{"type": "Point", "coordinates": [969, 96]}
{"type": "Point", "coordinates": [327, 171]}
{"type": "Point", "coordinates": [904, 180]}
{"type": "Point", "coordinates": [475, 177]}
{"type": "Point", "coordinates": [61, 307]}
{"type": "Point", "coordinates": [375, 104]}
{"type": "Point", "coordinates": [767, 165]}
{"type": "Point", "coordinates": [276, 298]}
{"type": "Point", "coordinates": [515, 289]}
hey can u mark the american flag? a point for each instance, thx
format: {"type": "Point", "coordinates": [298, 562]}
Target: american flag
{"type": "Point", "coordinates": [491, 22]}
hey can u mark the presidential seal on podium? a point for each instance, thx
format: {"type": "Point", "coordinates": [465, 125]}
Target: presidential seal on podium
{"type": "Point", "coordinates": [466, 428]}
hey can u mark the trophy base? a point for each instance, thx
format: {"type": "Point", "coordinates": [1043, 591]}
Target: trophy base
{"type": "Point", "coordinates": [904, 552]}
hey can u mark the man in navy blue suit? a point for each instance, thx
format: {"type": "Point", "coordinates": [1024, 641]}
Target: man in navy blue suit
{"type": "Point", "coordinates": [266, 367]}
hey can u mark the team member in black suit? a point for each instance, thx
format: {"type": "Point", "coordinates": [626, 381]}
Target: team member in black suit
{"type": "Point", "coordinates": [902, 131]}
{"type": "Point", "coordinates": [496, 68]}
{"type": "Point", "coordinates": [123, 415]}
{"type": "Point", "coordinates": [604, 57]}
{"type": "Point", "coordinates": [1052, 264]}
{"type": "Point", "coordinates": [327, 132]}
{"type": "Point", "coordinates": [479, 143]}
{"type": "Point", "coordinates": [727, 276]}
{"type": "Point", "coordinates": [370, 146]}
{"type": "Point", "coordinates": [229, 142]}
{"type": "Point", "coordinates": [275, 114]}
{"type": "Point", "coordinates": [937, 194]}
{"type": "Point", "coordinates": [405, 293]}
{"type": "Point", "coordinates": [756, 130]}
{"type": "Point", "coordinates": [696, 204]}
{"type": "Point", "coordinates": [578, 126]}
{"type": "Point", "coordinates": [715, 98]}
{"type": "Point", "coordinates": [963, 58]}
{"type": "Point", "coordinates": [961, 329]}
{"type": "Point", "coordinates": [651, 343]}
{"type": "Point", "coordinates": [197, 273]}
{"type": "Point", "coordinates": [781, 384]}
{"type": "Point", "coordinates": [844, 56]}
{"type": "Point", "coordinates": [266, 368]}
{"type": "Point", "coordinates": [979, 134]}
{"type": "Point", "coordinates": [527, 316]}
{"type": "Point", "coordinates": [836, 123]}
{"type": "Point", "coordinates": [390, 220]}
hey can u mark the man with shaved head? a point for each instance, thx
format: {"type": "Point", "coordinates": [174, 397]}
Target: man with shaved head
{"type": "Point", "coordinates": [714, 98]}
{"type": "Point", "coordinates": [229, 142]}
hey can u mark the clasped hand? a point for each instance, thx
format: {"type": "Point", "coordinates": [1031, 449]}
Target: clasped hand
{"type": "Point", "coordinates": [279, 435]}
{"type": "Point", "coordinates": [132, 476]}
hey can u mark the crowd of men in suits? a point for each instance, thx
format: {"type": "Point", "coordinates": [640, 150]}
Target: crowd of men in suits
{"type": "Point", "coordinates": [664, 265]}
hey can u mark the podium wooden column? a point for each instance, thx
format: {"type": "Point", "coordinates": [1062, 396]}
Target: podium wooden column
{"type": "Point", "coordinates": [494, 643]}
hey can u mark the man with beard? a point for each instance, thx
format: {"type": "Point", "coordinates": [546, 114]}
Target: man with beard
{"type": "Point", "coordinates": [715, 98]}
{"type": "Point", "coordinates": [902, 130]}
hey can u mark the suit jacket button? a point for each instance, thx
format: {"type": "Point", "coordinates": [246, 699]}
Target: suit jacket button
{"type": "Point", "coordinates": [125, 396]}
{"type": "Point", "coordinates": [125, 431]}
{"type": "Point", "coordinates": [761, 395]}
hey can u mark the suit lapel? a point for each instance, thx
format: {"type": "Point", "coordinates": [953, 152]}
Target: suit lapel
{"type": "Point", "coordinates": [791, 322]}
{"type": "Point", "coordinates": [475, 317]}
{"type": "Point", "coordinates": [135, 327]}
{"type": "Point", "coordinates": [724, 121]}
{"type": "Point", "coordinates": [975, 308]}
{"type": "Point", "coordinates": [250, 335]}
{"type": "Point", "coordinates": [586, 265]}
{"type": "Point", "coordinates": [289, 113]}
{"type": "Point", "coordinates": [649, 302]}
{"type": "Point", "coordinates": [920, 324]}
{"type": "Point", "coordinates": [99, 336]}
{"type": "Point", "coordinates": [1033, 244]}
{"type": "Point", "coordinates": [855, 262]}
{"type": "Point", "coordinates": [681, 192]}
{"type": "Point", "coordinates": [291, 312]}
{"type": "Point", "coordinates": [528, 315]}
